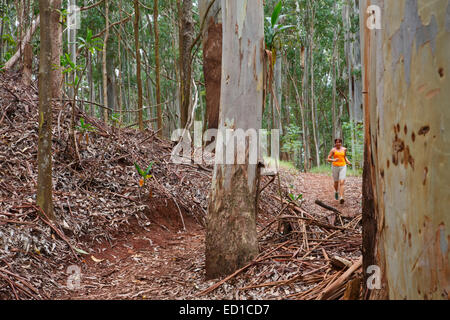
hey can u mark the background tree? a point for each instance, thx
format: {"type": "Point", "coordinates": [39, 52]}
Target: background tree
{"type": "Point", "coordinates": [212, 58]}
{"type": "Point", "coordinates": [44, 182]}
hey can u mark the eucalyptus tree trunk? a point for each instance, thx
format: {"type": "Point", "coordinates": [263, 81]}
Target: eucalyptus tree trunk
{"type": "Point", "coordinates": [406, 190]}
{"type": "Point", "coordinates": [91, 84]}
{"type": "Point", "coordinates": [20, 17]}
{"type": "Point", "coordinates": [111, 78]}
{"type": "Point", "coordinates": [138, 64]}
{"type": "Point", "coordinates": [56, 29]}
{"type": "Point", "coordinates": [186, 39]}
{"type": "Point", "coordinates": [104, 64]}
{"type": "Point", "coordinates": [231, 238]}
{"type": "Point", "coordinates": [27, 64]}
{"type": "Point", "coordinates": [334, 79]}
{"type": "Point", "coordinates": [212, 58]}
{"type": "Point", "coordinates": [276, 104]}
{"type": "Point", "coordinates": [72, 38]}
{"type": "Point", "coordinates": [313, 98]}
{"type": "Point", "coordinates": [2, 28]}
{"type": "Point", "coordinates": [120, 76]}
{"type": "Point", "coordinates": [304, 112]}
{"type": "Point", "coordinates": [28, 49]}
{"type": "Point", "coordinates": [44, 182]}
{"type": "Point", "coordinates": [353, 57]}
{"type": "Point", "coordinates": [157, 68]}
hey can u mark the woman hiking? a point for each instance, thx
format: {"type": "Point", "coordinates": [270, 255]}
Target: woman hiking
{"type": "Point", "coordinates": [338, 158]}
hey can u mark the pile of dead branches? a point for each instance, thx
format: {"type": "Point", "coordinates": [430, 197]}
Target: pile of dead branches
{"type": "Point", "coordinates": [96, 190]}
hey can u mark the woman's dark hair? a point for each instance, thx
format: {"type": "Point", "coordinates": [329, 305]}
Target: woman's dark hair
{"type": "Point", "coordinates": [338, 139]}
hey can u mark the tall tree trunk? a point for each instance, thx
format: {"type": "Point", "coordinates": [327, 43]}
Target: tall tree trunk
{"type": "Point", "coordinates": [111, 78]}
{"type": "Point", "coordinates": [406, 191]}
{"type": "Point", "coordinates": [231, 238]}
{"type": "Point", "coordinates": [120, 77]}
{"type": "Point", "coordinates": [27, 64]}
{"type": "Point", "coordinates": [313, 98]}
{"type": "Point", "coordinates": [104, 63]}
{"type": "Point", "coordinates": [304, 111]}
{"type": "Point", "coordinates": [186, 39]}
{"type": "Point", "coordinates": [44, 182]}
{"type": "Point", "coordinates": [138, 64]}
{"type": "Point", "coordinates": [2, 28]}
{"type": "Point", "coordinates": [72, 47]}
{"type": "Point", "coordinates": [56, 30]}
{"type": "Point", "coordinates": [157, 68]}
{"type": "Point", "coordinates": [276, 105]}
{"type": "Point", "coordinates": [333, 108]}
{"type": "Point", "coordinates": [212, 59]}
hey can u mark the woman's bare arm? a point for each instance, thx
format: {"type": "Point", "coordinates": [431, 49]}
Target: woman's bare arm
{"type": "Point", "coordinates": [330, 156]}
{"type": "Point", "coordinates": [346, 159]}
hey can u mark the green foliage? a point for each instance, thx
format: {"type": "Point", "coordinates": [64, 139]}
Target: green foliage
{"type": "Point", "coordinates": [85, 127]}
{"type": "Point", "coordinates": [145, 174]}
{"type": "Point", "coordinates": [7, 38]}
{"type": "Point", "coordinates": [273, 29]}
{"type": "Point", "coordinates": [291, 139]}
{"type": "Point", "coordinates": [326, 170]}
{"type": "Point", "coordinates": [357, 130]}
{"type": "Point", "coordinates": [294, 197]}
{"type": "Point", "coordinates": [90, 44]}
{"type": "Point", "coordinates": [115, 117]}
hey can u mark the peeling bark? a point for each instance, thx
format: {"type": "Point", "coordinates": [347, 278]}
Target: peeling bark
{"type": "Point", "coordinates": [231, 239]}
{"type": "Point", "coordinates": [406, 193]}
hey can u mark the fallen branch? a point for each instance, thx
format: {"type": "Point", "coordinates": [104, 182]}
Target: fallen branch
{"type": "Point", "coordinates": [337, 283]}
{"type": "Point", "coordinates": [218, 284]}
{"type": "Point", "coordinates": [330, 208]}
{"type": "Point", "coordinates": [13, 60]}
{"type": "Point", "coordinates": [316, 222]}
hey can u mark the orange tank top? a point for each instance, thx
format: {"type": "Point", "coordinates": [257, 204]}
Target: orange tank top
{"type": "Point", "coordinates": [340, 155]}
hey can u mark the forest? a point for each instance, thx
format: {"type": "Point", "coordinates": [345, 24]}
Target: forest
{"type": "Point", "coordinates": [135, 139]}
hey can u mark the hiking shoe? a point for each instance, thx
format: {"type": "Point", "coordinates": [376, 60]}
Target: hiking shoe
{"type": "Point", "coordinates": [336, 196]}
{"type": "Point", "coordinates": [342, 201]}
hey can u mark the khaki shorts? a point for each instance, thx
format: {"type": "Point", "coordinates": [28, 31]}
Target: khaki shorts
{"type": "Point", "coordinates": [339, 173]}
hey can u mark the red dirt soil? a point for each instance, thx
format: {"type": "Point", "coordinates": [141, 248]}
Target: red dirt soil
{"type": "Point", "coordinates": [165, 262]}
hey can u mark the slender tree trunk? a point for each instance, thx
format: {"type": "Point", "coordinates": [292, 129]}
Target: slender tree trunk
{"type": "Point", "coordinates": [186, 39]}
{"type": "Point", "coordinates": [277, 105]}
{"type": "Point", "coordinates": [120, 76]}
{"type": "Point", "coordinates": [44, 182]}
{"type": "Point", "coordinates": [91, 84]}
{"type": "Point", "coordinates": [27, 64]}
{"type": "Point", "coordinates": [20, 41]}
{"type": "Point", "coordinates": [231, 238]}
{"type": "Point", "coordinates": [104, 64]}
{"type": "Point", "coordinates": [2, 28]}
{"type": "Point", "coordinates": [212, 59]}
{"type": "Point", "coordinates": [56, 30]}
{"type": "Point", "coordinates": [313, 98]}
{"type": "Point", "coordinates": [305, 115]}
{"type": "Point", "coordinates": [157, 69]}
{"type": "Point", "coordinates": [334, 83]}
{"type": "Point", "coordinates": [138, 64]}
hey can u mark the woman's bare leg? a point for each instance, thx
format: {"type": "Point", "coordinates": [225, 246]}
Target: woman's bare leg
{"type": "Point", "coordinates": [341, 188]}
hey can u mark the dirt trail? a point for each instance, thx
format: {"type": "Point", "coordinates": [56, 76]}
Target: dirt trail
{"type": "Point", "coordinates": [168, 263]}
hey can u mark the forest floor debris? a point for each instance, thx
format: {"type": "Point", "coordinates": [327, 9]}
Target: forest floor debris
{"type": "Point", "coordinates": [129, 243]}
